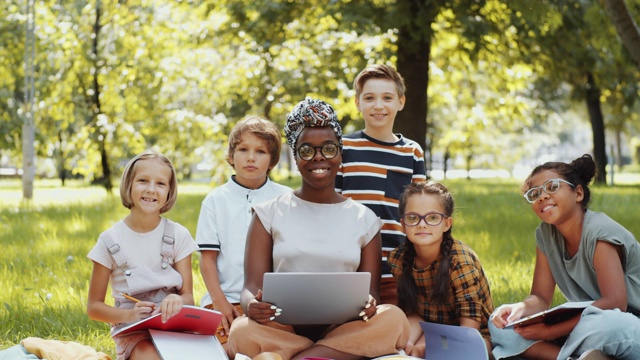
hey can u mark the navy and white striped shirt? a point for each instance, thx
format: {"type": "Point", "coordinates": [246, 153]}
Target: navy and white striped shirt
{"type": "Point", "coordinates": [375, 173]}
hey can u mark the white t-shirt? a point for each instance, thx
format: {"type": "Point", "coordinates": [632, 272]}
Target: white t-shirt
{"type": "Point", "coordinates": [313, 237]}
{"type": "Point", "coordinates": [222, 226]}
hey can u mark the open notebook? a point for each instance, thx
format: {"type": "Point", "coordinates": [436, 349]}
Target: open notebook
{"type": "Point", "coordinates": [554, 315]}
{"type": "Point", "coordinates": [317, 298]}
{"type": "Point", "coordinates": [185, 336]}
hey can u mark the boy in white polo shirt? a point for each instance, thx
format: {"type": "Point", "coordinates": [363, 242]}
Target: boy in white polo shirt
{"type": "Point", "coordinates": [253, 150]}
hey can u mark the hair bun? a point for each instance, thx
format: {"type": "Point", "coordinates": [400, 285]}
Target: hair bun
{"type": "Point", "coordinates": [584, 167]}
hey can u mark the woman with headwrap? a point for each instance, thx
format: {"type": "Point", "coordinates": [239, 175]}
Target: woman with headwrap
{"type": "Point", "coordinates": [314, 229]}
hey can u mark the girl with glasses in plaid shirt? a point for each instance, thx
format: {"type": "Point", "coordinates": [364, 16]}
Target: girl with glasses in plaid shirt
{"type": "Point", "coordinates": [440, 279]}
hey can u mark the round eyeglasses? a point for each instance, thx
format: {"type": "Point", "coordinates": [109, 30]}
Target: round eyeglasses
{"type": "Point", "coordinates": [432, 218]}
{"type": "Point", "coordinates": [550, 187]}
{"type": "Point", "coordinates": [308, 152]}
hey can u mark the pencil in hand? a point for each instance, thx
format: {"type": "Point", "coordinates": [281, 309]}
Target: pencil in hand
{"type": "Point", "coordinates": [127, 296]}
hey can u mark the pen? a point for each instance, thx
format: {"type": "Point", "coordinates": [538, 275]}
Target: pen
{"type": "Point", "coordinates": [153, 307]}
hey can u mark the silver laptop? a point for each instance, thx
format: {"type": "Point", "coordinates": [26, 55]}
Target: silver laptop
{"type": "Point", "coordinates": [317, 298]}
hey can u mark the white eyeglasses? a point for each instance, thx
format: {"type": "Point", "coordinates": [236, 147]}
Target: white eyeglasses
{"type": "Point", "coordinates": [550, 187]}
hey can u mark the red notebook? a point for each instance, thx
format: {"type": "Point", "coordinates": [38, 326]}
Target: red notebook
{"type": "Point", "coordinates": [190, 319]}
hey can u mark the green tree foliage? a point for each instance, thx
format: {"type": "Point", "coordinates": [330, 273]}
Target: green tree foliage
{"type": "Point", "coordinates": [12, 81]}
{"type": "Point", "coordinates": [626, 26]}
{"type": "Point", "coordinates": [575, 44]}
{"type": "Point", "coordinates": [109, 80]}
{"type": "Point", "coordinates": [177, 75]}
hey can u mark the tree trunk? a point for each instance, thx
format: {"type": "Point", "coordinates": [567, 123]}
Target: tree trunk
{"type": "Point", "coordinates": [625, 26]}
{"type": "Point", "coordinates": [618, 145]}
{"type": "Point", "coordinates": [62, 169]}
{"type": "Point", "coordinates": [106, 170]}
{"type": "Point", "coordinates": [97, 108]}
{"type": "Point", "coordinates": [428, 153]}
{"type": "Point", "coordinates": [414, 46]}
{"type": "Point", "coordinates": [469, 159]}
{"type": "Point", "coordinates": [28, 126]}
{"type": "Point", "coordinates": [597, 126]}
{"type": "Point", "coordinates": [447, 156]}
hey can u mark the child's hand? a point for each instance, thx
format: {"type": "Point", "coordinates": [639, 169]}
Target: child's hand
{"type": "Point", "coordinates": [142, 310]}
{"type": "Point", "coordinates": [369, 309]}
{"type": "Point", "coordinates": [506, 314]}
{"type": "Point", "coordinates": [262, 312]}
{"type": "Point", "coordinates": [170, 306]}
{"type": "Point", "coordinates": [229, 312]}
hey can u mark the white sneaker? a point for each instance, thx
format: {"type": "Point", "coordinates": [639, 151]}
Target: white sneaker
{"type": "Point", "coordinates": [594, 355]}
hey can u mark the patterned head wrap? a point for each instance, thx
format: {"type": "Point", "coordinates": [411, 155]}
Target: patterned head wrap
{"type": "Point", "coordinates": [311, 113]}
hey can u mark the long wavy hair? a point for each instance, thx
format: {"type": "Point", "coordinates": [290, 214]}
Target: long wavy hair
{"type": "Point", "coordinates": [410, 291]}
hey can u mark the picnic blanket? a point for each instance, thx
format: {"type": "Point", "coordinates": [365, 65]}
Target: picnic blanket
{"type": "Point", "coordinates": [37, 348]}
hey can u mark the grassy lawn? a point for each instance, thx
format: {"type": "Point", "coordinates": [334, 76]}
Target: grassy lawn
{"type": "Point", "coordinates": [44, 272]}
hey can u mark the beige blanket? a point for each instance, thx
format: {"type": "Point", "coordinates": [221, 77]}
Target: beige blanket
{"type": "Point", "coordinates": [61, 350]}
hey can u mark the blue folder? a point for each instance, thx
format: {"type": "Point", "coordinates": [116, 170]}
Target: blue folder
{"type": "Point", "coordinates": [451, 342]}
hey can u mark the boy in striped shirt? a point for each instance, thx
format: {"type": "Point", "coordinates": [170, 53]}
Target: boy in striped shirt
{"type": "Point", "coordinates": [376, 163]}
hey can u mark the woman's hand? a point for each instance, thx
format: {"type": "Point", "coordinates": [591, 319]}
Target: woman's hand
{"type": "Point", "coordinates": [262, 312]}
{"type": "Point", "coordinates": [369, 309]}
{"type": "Point", "coordinates": [506, 314]}
{"type": "Point", "coordinates": [170, 306]}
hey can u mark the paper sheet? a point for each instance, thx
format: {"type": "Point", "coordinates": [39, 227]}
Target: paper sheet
{"type": "Point", "coordinates": [185, 346]}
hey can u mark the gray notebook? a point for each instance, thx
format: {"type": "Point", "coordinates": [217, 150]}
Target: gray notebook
{"type": "Point", "coordinates": [317, 298]}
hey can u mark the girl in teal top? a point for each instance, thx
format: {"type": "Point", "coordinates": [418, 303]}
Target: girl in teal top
{"type": "Point", "coordinates": [590, 257]}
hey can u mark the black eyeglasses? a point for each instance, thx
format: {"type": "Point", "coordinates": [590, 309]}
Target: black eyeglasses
{"type": "Point", "coordinates": [550, 187]}
{"type": "Point", "coordinates": [432, 218]}
{"type": "Point", "coordinates": [307, 152]}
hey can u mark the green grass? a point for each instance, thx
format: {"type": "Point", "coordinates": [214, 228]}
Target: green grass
{"type": "Point", "coordinates": [44, 272]}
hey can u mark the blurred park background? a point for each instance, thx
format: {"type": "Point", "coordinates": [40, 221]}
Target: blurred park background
{"type": "Point", "coordinates": [493, 89]}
